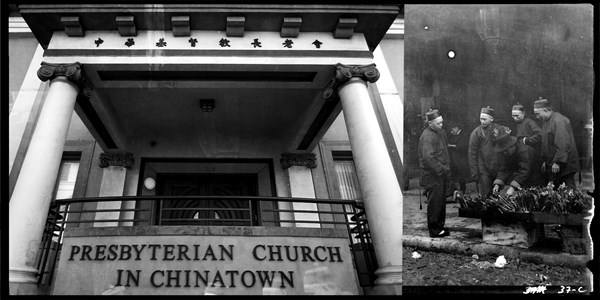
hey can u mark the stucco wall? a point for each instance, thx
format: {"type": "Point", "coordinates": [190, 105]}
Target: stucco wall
{"type": "Point", "coordinates": [20, 53]}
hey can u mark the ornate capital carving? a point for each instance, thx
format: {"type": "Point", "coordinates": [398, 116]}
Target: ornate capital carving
{"type": "Point", "coordinates": [116, 159]}
{"type": "Point", "coordinates": [72, 72]}
{"type": "Point", "coordinates": [303, 159]}
{"type": "Point", "coordinates": [343, 73]}
{"type": "Point", "coordinates": [50, 71]}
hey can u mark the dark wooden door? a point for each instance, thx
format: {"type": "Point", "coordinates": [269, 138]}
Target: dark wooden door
{"type": "Point", "coordinates": [216, 211]}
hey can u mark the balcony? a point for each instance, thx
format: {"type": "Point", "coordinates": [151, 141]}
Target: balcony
{"type": "Point", "coordinates": [248, 215]}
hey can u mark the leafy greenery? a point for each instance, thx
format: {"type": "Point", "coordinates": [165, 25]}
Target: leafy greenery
{"type": "Point", "coordinates": [540, 199]}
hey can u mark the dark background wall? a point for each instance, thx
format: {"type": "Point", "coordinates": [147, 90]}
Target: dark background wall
{"type": "Point", "coordinates": [503, 54]}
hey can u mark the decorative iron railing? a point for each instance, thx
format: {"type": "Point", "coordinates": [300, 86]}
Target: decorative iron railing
{"type": "Point", "coordinates": [208, 211]}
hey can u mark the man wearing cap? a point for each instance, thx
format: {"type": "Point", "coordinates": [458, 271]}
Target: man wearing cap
{"type": "Point", "coordinates": [433, 159]}
{"type": "Point", "coordinates": [528, 131]}
{"type": "Point", "coordinates": [484, 162]}
{"type": "Point", "coordinates": [560, 160]}
{"type": "Point", "coordinates": [518, 163]}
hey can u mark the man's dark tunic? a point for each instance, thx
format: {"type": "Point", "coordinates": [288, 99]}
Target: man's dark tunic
{"type": "Point", "coordinates": [484, 162]}
{"type": "Point", "coordinates": [459, 163]}
{"type": "Point", "coordinates": [433, 159]}
{"type": "Point", "coordinates": [521, 168]}
{"type": "Point", "coordinates": [558, 146]}
{"type": "Point", "coordinates": [531, 130]}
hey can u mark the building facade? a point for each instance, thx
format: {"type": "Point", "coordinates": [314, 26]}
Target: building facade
{"type": "Point", "coordinates": [205, 149]}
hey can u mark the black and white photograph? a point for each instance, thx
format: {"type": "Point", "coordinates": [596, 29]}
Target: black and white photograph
{"type": "Point", "coordinates": [499, 99]}
{"type": "Point", "coordinates": [270, 149]}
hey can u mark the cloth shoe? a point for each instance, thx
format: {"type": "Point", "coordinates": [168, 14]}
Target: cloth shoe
{"type": "Point", "coordinates": [442, 233]}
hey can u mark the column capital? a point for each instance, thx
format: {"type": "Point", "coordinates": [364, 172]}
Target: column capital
{"type": "Point", "coordinates": [343, 73]}
{"type": "Point", "coordinates": [124, 159]}
{"type": "Point", "coordinates": [72, 72]}
{"type": "Point", "coordinates": [308, 160]}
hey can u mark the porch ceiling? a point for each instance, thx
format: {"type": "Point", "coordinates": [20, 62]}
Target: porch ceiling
{"type": "Point", "coordinates": [133, 108]}
{"type": "Point", "coordinates": [154, 96]}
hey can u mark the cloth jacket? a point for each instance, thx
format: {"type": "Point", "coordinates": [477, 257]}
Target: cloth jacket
{"type": "Point", "coordinates": [482, 157]}
{"type": "Point", "coordinates": [521, 169]}
{"type": "Point", "coordinates": [433, 157]}
{"type": "Point", "coordinates": [558, 145]}
{"type": "Point", "coordinates": [459, 163]}
{"type": "Point", "coordinates": [531, 130]}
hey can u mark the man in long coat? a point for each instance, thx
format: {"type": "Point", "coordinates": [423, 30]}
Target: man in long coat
{"type": "Point", "coordinates": [484, 162]}
{"type": "Point", "coordinates": [560, 160]}
{"type": "Point", "coordinates": [434, 160]}
{"type": "Point", "coordinates": [528, 131]}
{"type": "Point", "coordinates": [519, 162]}
{"type": "Point", "coordinates": [458, 145]}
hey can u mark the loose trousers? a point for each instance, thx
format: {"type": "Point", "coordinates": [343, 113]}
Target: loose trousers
{"type": "Point", "coordinates": [436, 207]}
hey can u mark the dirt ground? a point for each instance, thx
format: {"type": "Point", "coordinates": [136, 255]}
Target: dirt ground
{"type": "Point", "coordinates": [444, 269]}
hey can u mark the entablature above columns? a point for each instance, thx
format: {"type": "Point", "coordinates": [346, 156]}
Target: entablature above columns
{"type": "Point", "coordinates": [207, 43]}
{"type": "Point", "coordinates": [341, 21]}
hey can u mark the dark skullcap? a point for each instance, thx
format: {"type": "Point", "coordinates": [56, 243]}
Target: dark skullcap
{"type": "Point", "coordinates": [487, 110]}
{"type": "Point", "coordinates": [518, 107]}
{"type": "Point", "coordinates": [432, 114]}
{"type": "Point", "coordinates": [541, 103]}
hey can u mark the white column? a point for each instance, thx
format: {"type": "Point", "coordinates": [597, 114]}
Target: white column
{"type": "Point", "coordinates": [32, 195]}
{"type": "Point", "coordinates": [380, 189]}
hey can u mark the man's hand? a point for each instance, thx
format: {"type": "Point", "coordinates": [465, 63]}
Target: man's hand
{"type": "Point", "coordinates": [544, 167]}
{"type": "Point", "coordinates": [496, 189]}
{"type": "Point", "coordinates": [510, 191]}
{"type": "Point", "coordinates": [555, 168]}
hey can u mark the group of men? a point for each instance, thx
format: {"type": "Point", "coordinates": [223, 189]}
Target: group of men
{"type": "Point", "coordinates": [497, 159]}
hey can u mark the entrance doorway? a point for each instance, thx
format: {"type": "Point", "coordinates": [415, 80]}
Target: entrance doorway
{"type": "Point", "coordinates": [221, 200]}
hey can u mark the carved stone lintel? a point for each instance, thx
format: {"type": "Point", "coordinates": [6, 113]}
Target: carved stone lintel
{"type": "Point", "coordinates": [303, 159]}
{"type": "Point", "coordinates": [116, 159]}
{"type": "Point", "coordinates": [343, 73]}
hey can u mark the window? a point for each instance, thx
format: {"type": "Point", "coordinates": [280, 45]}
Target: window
{"type": "Point", "coordinates": [67, 175]}
{"type": "Point", "coordinates": [346, 175]}
{"type": "Point", "coordinates": [340, 174]}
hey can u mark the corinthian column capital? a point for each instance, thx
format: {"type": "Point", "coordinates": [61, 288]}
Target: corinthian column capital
{"type": "Point", "coordinates": [343, 73]}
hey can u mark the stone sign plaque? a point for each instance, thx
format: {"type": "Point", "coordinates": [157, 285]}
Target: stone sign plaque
{"type": "Point", "coordinates": [189, 260]}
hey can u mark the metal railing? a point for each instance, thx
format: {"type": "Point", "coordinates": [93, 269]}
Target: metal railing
{"type": "Point", "coordinates": [208, 211]}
